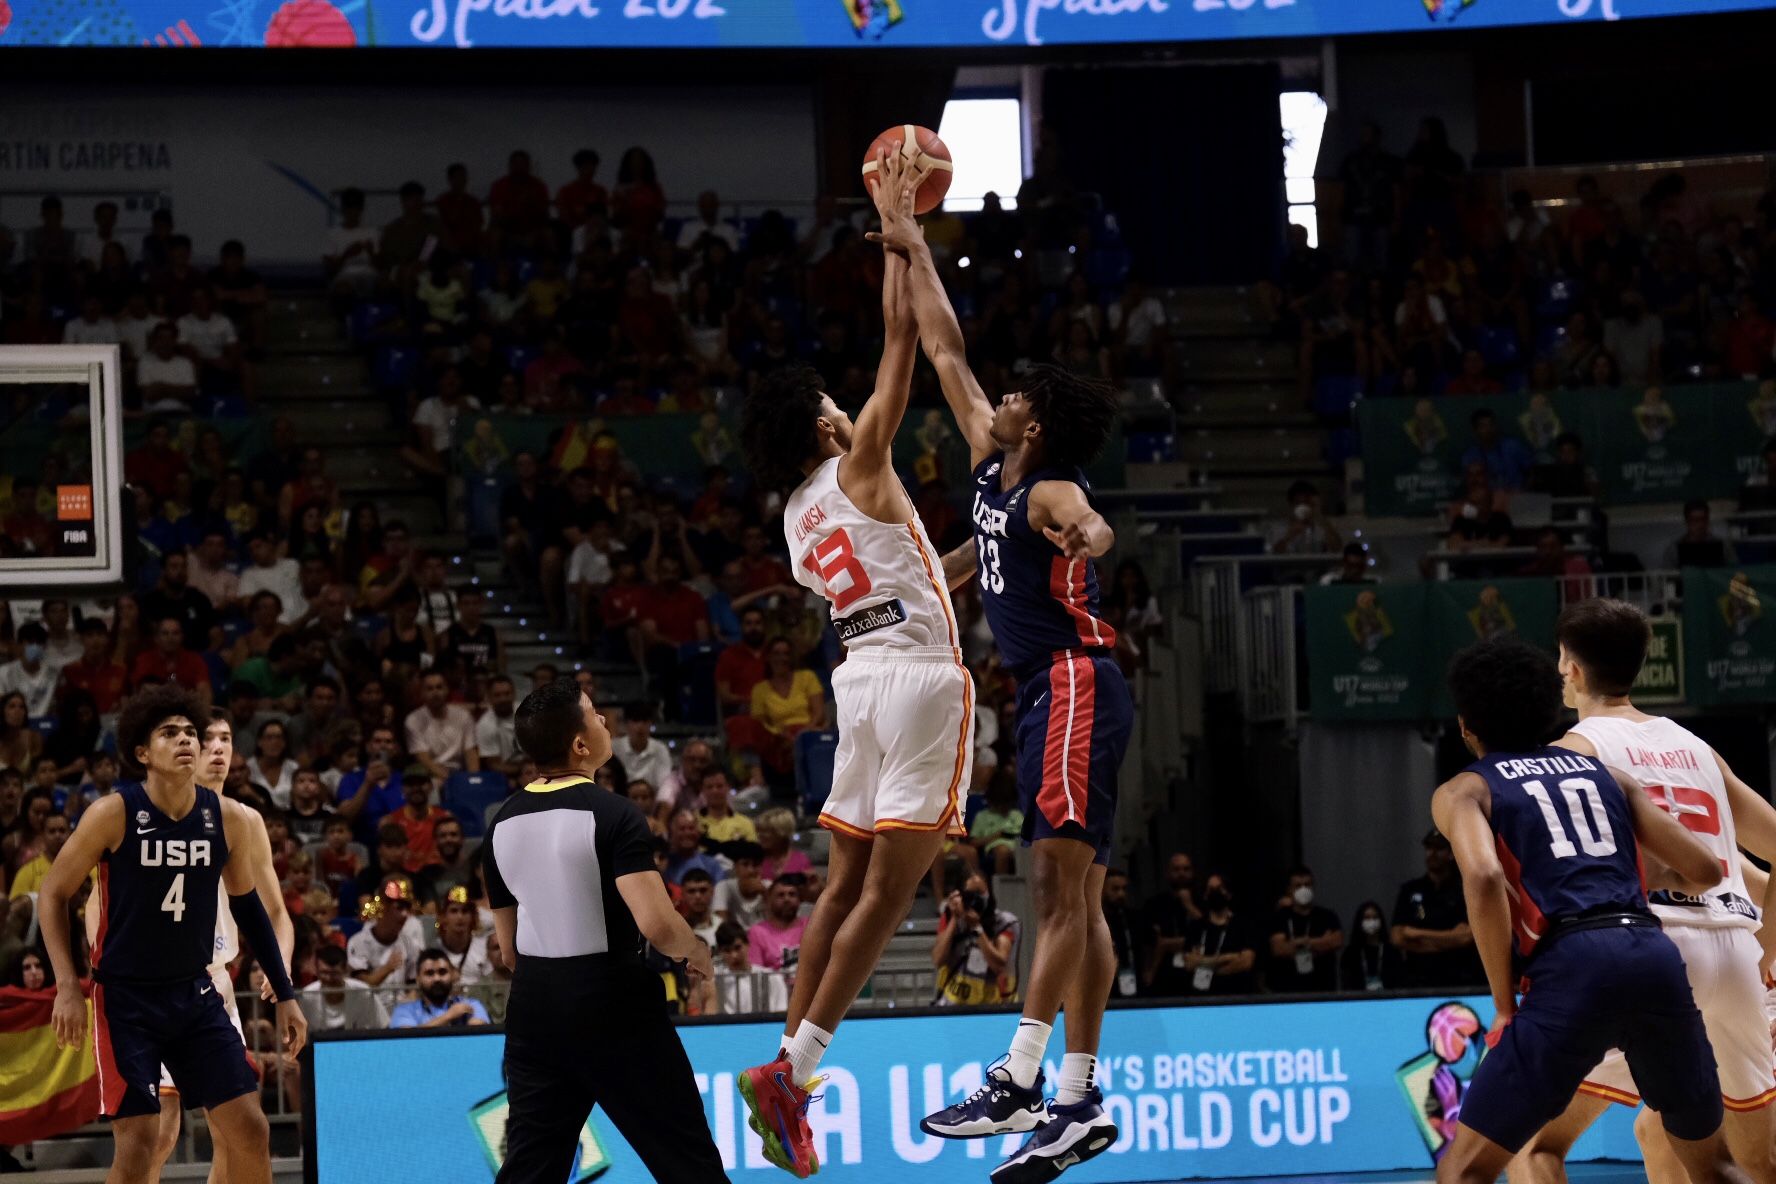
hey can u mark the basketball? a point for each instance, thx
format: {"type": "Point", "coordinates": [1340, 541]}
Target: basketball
{"type": "Point", "coordinates": [928, 153]}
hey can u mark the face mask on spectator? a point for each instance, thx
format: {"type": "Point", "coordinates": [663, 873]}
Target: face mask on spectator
{"type": "Point", "coordinates": [33, 652]}
{"type": "Point", "coordinates": [1470, 511]}
{"type": "Point", "coordinates": [1304, 896]}
{"type": "Point", "coordinates": [1372, 925]}
{"type": "Point", "coordinates": [1303, 511]}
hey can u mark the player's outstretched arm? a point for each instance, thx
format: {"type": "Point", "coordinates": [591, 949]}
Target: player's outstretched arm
{"type": "Point", "coordinates": [1459, 815]}
{"type": "Point", "coordinates": [958, 566]}
{"type": "Point", "coordinates": [872, 436]}
{"type": "Point", "coordinates": [1666, 839]}
{"type": "Point", "coordinates": [1059, 509]}
{"type": "Point", "coordinates": [941, 335]}
{"type": "Point", "coordinates": [101, 829]}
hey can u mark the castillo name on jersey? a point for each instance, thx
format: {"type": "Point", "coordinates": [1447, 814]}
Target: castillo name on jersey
{"type": "Point", "coordinates": [1038, 602]}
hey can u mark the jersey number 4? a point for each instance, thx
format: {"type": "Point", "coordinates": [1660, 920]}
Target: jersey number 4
{"type": "Point", "coordinates": [1596, 842]}
{"type": "Point", "coordinates": [832, 558]}
{"type": "Point", "coordinates": [174, 901]}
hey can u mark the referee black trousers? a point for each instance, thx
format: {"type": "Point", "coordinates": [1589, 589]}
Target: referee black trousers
{"type": "Point", "coordinates": [580, 1033]}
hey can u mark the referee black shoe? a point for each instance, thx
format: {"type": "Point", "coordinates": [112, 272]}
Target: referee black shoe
{"type": "Point", "coordinates": [1072, 1135]}
{"type": "Point", "coordinates": [999, 1107]}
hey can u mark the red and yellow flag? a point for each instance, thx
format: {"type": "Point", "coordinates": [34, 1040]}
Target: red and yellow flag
{"type": "Point", "coordinates": [44, 1090]}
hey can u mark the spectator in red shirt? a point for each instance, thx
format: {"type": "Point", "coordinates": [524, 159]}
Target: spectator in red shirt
{"type": "Point", "coordinates": [459, 212]}
{"type": "Point", "coordinates": [622, 603]}
{"type": "Point", "coordinates": [583, 195]}
{"type": "Point", "coordinates": [519, 203]}
{"type": "Point", "coordinates": [761, 567]}
{"type": "Point", "coordinates": [671, 614]}
{"type": "Point", "coordinates": [156, 464]}
{"type": "Point", "coordinates": [170, 661]}
{"type": "Point", "coordinates": [650, 325]}
{"type": "Point", "coordinates": [96, 672]}
{"type": "Point", "coordinates": [742, 666]}
{"type": "Point", "coordinates": [1750, 336]}
{"type": "Point", "coordinates": [1473, 379]}
{"type": "Point", "coordinates": [637, 203]}
{"type": "Point", "coordinates": [420, 819]}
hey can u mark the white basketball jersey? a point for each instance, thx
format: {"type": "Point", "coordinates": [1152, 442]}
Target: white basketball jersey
{"type": "Point", "coordinates": [1679, 773]}
{"type": "Point", "coordinates": [883, 582]}
{"type": "Point", "coordinates": [227, 933]}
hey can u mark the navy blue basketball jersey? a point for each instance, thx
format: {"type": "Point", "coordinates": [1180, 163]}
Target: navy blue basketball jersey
{"type": "Point", "coordinates": [158, 892]}
{"type": "Point", "coordinates": [1565, 838]}
{"type": "Point", "coordinates": [1038, 602]}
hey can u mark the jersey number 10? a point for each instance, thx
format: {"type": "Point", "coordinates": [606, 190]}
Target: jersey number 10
{"type": "Point", "coordinates": [1596, 843]}
{"type": "Point", "coordinates": [833, 557]}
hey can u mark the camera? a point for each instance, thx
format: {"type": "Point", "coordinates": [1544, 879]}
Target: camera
{"type": "Point", "coordinates": [977, 903]}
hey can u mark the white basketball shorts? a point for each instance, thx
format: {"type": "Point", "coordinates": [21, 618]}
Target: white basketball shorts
{"type": "Point", "coordinates": [1723, 969]}
{"type": "Point", "coordinates": [906, 741]}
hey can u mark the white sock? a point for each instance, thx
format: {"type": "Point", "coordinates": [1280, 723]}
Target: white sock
{"type": "Point", "coordinates": [805, 1049]}
{"type": "Point", "coordinates": [1025, 1053]}
{"type": "Point", "coordinates": [1078, 1071]}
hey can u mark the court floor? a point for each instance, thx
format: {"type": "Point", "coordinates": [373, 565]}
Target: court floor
{"type": "Point", "coordinates": [1587, 1173]}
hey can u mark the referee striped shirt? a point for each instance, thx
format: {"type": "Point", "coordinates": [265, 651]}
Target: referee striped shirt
{"type": "Point", "coordinates": [555, 850]}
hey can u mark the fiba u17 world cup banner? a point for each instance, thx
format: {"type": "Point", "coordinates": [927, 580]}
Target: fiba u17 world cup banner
{"type": "Point", "coordinates": [1210, 1091]}
{"type": "Point", "coordinates": [1377, 652]}
{"type": "Point", "coordinates": [775, 24]}
{"type": "Point", "coordinates": [1653, 444]}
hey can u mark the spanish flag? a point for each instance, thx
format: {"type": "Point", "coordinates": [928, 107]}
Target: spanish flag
{"type": "Point", "coordinates": [44, 1090]}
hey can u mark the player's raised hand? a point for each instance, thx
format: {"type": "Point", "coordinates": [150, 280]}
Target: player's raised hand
{"type": "Point", "coordinates": [1070, 539]}
{"type": "Point", "coordinates": [69, 1016]}
{"type": "Point", "coordinates": [899, 179]}
{"type": "Point", "coordinates": [293, 1024]}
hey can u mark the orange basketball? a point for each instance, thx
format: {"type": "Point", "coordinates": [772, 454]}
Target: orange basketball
{"type": "Point", "coordinates": [928, 153]}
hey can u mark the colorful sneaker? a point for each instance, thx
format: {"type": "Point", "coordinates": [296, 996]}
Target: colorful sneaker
{"type": "Point", "coordinates": [1072, 1135]}
{"type": "Point", "coordinates": [999, 1107]}
{"type": "Point", "coordinates": [778, 1112]}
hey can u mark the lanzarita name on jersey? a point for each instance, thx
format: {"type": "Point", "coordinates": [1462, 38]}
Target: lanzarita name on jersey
{"type": "Point", "coordinates": [869, 620]}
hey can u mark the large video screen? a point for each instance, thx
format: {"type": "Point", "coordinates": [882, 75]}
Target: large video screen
{"type": "Point", "coordinates": [795, 24]}
{"type": "Point", "coordinates": [1271, 1089]}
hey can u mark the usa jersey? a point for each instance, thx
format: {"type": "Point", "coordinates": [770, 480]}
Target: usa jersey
{"type": "Point", "coordinates": [1564, 836]}
{"type": "Point", "coordinates": [159, 891]}
{"type": "Point", "coordinates": [1038, 602]}
{"type": "Point", "coordinates": [884, 582]}
{"type": "Point", "coordinates": [1679, 773]}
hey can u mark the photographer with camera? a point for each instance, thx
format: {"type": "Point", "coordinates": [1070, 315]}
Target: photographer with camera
{"type": "Point", "coordinates": [976, 949]}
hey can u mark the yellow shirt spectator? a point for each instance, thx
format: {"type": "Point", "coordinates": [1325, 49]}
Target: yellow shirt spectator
{"type": "Point", "coordinates": [734, 828]}
{"type": "Point", "coordinates": [30, 877]}
{"type": "Point", "coordinates": [780, 713]}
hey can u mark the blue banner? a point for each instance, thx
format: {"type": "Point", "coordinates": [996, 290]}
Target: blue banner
{"type": "Point", "coordinates": [1262, 1089]}
{"type": "Point", "coordinates": [776, 24]}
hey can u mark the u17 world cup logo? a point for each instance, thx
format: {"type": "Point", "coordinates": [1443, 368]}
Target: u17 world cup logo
{"type": "Point", "coordinates": [872, 18]}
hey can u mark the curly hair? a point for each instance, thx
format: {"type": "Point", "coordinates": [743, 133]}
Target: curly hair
{"type": "Point", "coordinates": [146, 711]}
{"type": "Point", "coordinates": [1077, 414]}
{"type": "Point", "coordinates": [1507, 692]}
{"type": "Point", "coordinates": [777, 432]}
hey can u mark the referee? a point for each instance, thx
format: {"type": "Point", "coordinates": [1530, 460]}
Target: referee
{"type": "Point", "coordinates": [571, 878]}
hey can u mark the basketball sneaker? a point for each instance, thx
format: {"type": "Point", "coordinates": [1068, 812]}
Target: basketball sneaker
{"type": "Point", "coordinates": [778, 1112]}
{"type": "Point", "coordinates": [1072, 1135]}
{"type": "Point", "coordinates": [999, 1107]}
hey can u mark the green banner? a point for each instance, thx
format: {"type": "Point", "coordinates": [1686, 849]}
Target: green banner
{"type": "Point", "coordinates": [1366, 648]}
{"type": "Point", "coordinates": [1649, 445]}
{"type": "Point", "coordinates": [1662, 675]}
{"type": "Point", "coordinates": [1730, 631]}
{"type": "Point", "coordinates": [1463, 612]}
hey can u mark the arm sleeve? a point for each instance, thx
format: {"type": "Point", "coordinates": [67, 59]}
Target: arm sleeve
{"type": "Point", "coordinates": [626, 845]}
{"type": "Point", "coordinates": [498, 895]}
{"type": "Point", "coordinates": [255, 926]}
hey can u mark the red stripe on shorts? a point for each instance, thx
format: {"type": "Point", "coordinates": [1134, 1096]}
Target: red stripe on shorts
{"type": "Point", "coordinates": [1066, 753]}
{"type": "Point", "coordinates": [111, 1084]}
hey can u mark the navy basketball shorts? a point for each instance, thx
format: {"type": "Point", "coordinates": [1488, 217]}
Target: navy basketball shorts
{"type": "Point", "coordinates": [1073, 724]}
{"type": "Point", "coordinates": [184, 1026]}
{"type": "Point", "coordinates": [1591, 991]}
